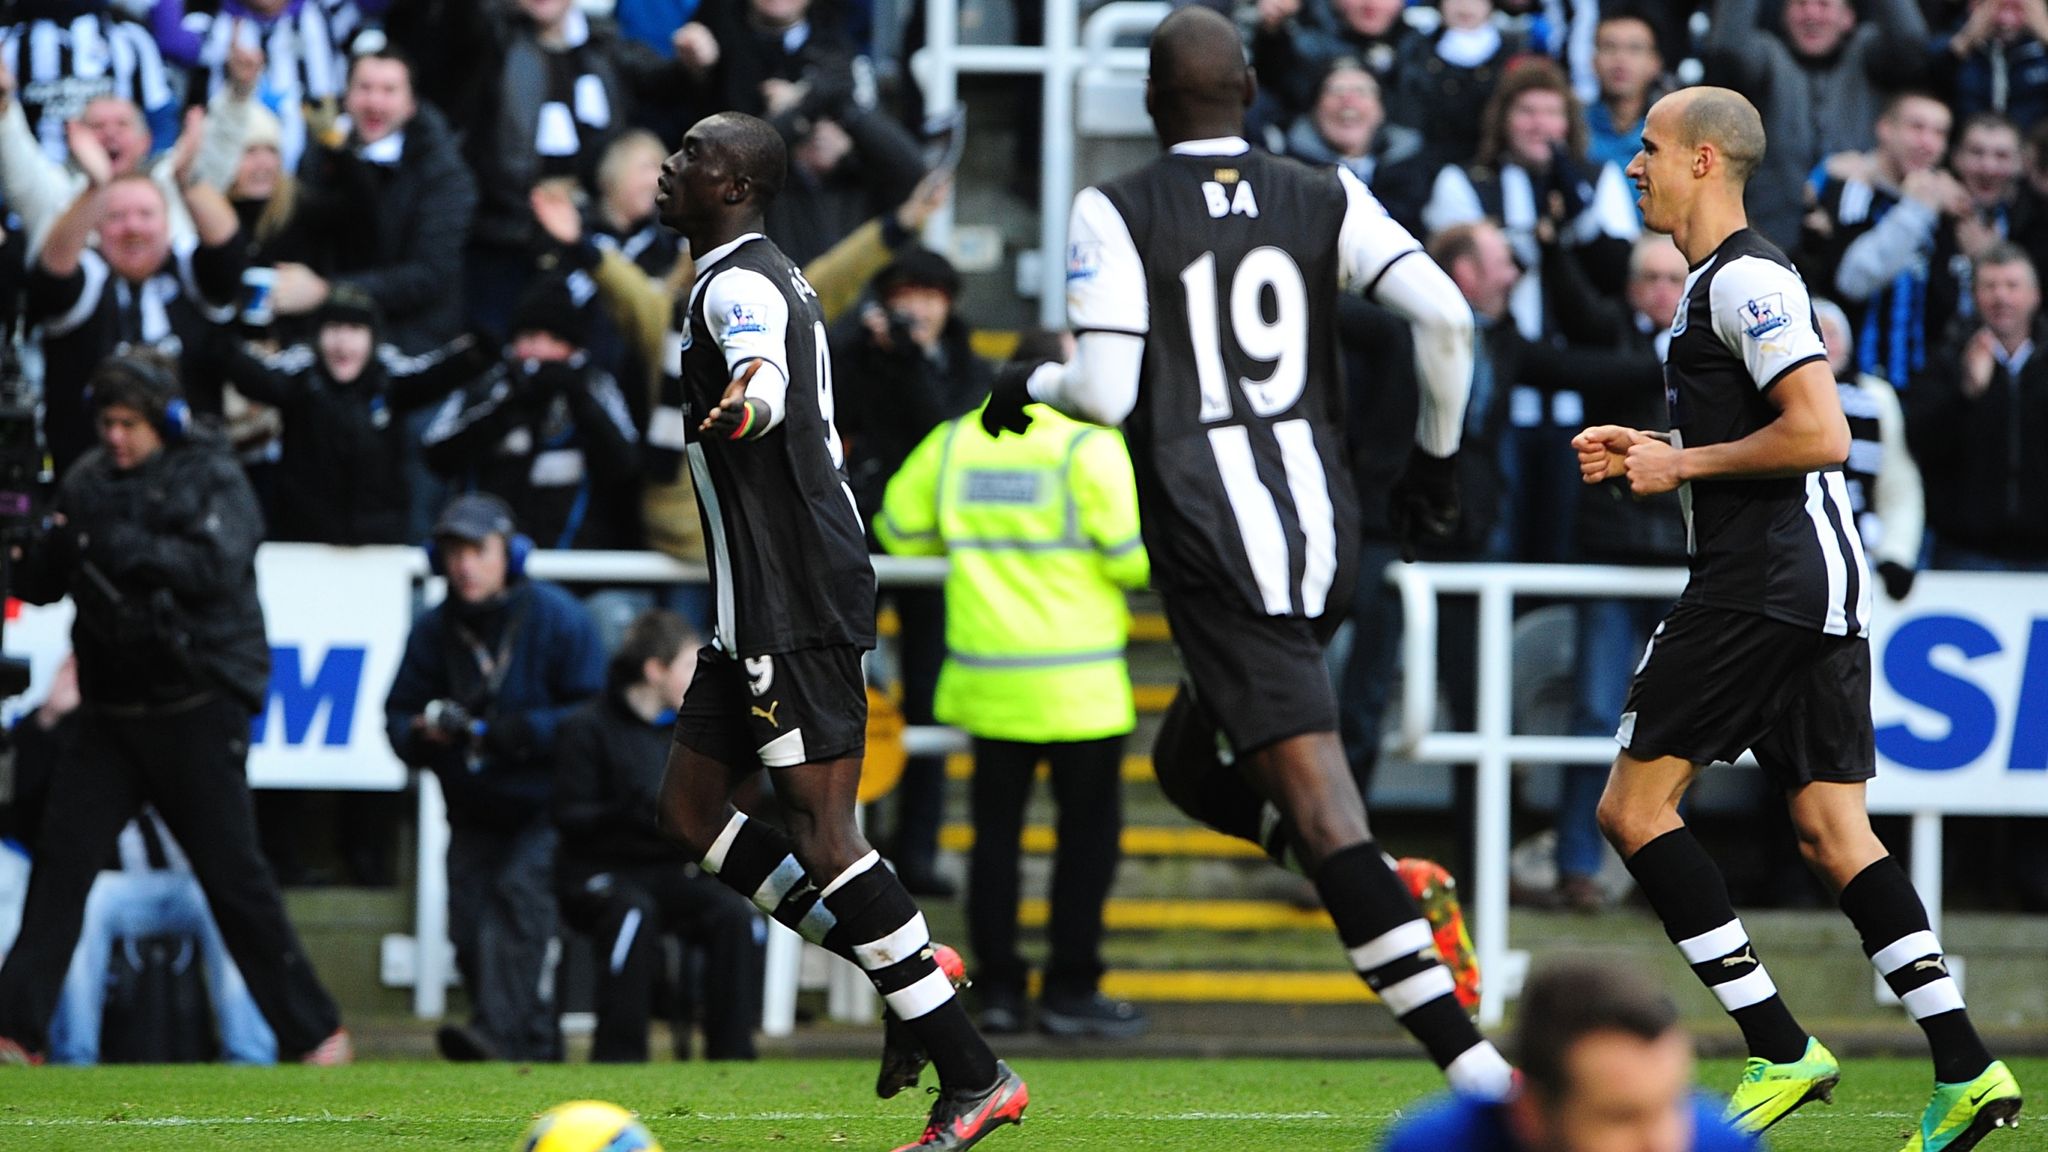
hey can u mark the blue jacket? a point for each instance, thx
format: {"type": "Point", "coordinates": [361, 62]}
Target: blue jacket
{"type": "Point", "coordinates": [1481, 1126]}
{"type": "Point", "coordinates": [553, 662]}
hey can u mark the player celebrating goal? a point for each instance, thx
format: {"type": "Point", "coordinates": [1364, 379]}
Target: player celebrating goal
{"type": "Point", "coordinates": [1767, 648]}
{"type": "Point", "coordinates": [1202, 289]}
{"type": "Point", "coordinates": [780, 685]}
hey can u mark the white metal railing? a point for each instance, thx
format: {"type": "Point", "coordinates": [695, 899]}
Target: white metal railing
{"type": "Point", "coordinates": [1494, 747]}
{"type": "Point", "coordinates": [939, 65]}
{"type": "Point", "coordinates": [429, 965]}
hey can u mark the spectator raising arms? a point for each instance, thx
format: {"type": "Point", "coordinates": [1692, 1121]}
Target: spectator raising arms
{"type": "Point", "coordinates": [1997, 61]}
{"type": "Point", "coordinates": [136, 287]}
{"type": "Point", "coordinates": [547, 431]}
{"type": "Point", "coordinates": [1819, 79]}
{"type": "Point", "coordinates": [343, 397]}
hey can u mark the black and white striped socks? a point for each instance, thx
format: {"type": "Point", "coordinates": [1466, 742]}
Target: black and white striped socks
{"type": "Point", "coordinates": [1888, 915]}
{"type": "Point", "coordinates": [887, 937]}
{"type": "Point", "coordinates": [1392, 949]}
{"type": "Point", "coordinates": [1690, 896]}
{"type": "Point", "coordinates": [864, 915]}
{"type": "Point", "coordinates": [757, 861]}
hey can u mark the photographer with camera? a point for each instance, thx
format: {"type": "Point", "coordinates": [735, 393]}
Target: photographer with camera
{"type": "Point", "coordinates": [904, 366]}
{"type": "Point", "coordinates": [487, 678]}
{"type": "Point", "coordinates": [153, 535]}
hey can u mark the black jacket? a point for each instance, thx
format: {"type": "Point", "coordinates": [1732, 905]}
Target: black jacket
{"type": "Point", "coordinates": [608, 769]}
{"type": "Point", "coordinates": [1982, 459]}
{"type": "Point", "coordinates": [555, 441]}
{"type": "Point", "coordinates": [342, 477]}
{"type": "Point", "coordinates": [888, 400]}
{"type": "Point", "coordinates": [161, 563]}
{"type": "Point", "coordinates": [395, 231]}
{"type": "Point", "coordinates": [1622, 383]}
{"type": "Point", "coordinates": [812, 213]}
{"type": "Point", "coordinates": [504, 76]}
{"type": "Point", "coordinates": [94, 312]}
{"type": "Point", "coordinates": [547, 660]}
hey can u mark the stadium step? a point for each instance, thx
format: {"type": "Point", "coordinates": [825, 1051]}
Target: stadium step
{"type": "Point", "coordinates": [1133, 915]}
{"type": "Point", "coordinates": [1140, 840]}
{"type": "Point", "coordinates": [1237, 987]}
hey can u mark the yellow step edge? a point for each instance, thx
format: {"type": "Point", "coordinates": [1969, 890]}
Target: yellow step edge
{"type": "Point", "coordinates": [995, 344]}
{"type": "Point", "coordinates": [1152, 697]}
{"type": "Point", "coordinates": [1149, 628]}
{"type": "Point", "coordinates": [1238, 987]}
{"type": "Point", "coordinates": [1136, 769]}
{"type": "Point", "coordinates": [1039, 840]}
{"type": "Point", "coordinates": [1190, 915]}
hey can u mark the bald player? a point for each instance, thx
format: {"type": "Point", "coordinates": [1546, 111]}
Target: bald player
{"type": "Point", "coordinates": [1202, 292]}
{"type": "Point", "coordinates": [779, 686]}
{"type": "Point", "coordinates": [1767, 649]}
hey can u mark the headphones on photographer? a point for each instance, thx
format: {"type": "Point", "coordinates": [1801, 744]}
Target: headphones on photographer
{"type": "Point", "coordinates": [484, 506]}
{"type": "Point", "coordinates": [166, 410]}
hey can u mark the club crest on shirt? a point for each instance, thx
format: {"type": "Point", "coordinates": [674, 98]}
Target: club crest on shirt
{"type": "Point", "coordinates": [1084, 260]}
{"type": "Point", "coordinates": [1678, 318]}
{"type": "Point", "coordinates": [1764, 315]}
{"type": "Point", "coordinates": [745, 319]}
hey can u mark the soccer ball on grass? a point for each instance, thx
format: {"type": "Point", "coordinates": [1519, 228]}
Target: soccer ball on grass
{"type": "Point", "coordinates": [587, 1126]}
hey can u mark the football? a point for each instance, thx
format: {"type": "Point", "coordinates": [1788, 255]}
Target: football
{"type": "Point", "coordinates": [587, 1126]}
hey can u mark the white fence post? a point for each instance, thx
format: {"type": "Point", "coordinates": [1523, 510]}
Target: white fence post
{"type": "Point", "coordinates": [430, 905]}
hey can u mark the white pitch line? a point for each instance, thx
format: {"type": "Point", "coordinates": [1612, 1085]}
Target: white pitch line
{"type": "Point", "coordinates": [714, 1117]}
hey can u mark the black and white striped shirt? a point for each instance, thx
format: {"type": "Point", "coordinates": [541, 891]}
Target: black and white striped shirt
{"type": "Point", "coordinates": [1786, 548]}
{"type": "Point", "coordinates": [60, 67]}
{"type": "Point", "coordinates": [304, 50]}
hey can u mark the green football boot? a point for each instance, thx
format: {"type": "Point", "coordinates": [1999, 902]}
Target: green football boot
{"type": "Point", "coordinates": [1962, 1114]}
{"type": "Point", "coordinates": [1770, 1092]}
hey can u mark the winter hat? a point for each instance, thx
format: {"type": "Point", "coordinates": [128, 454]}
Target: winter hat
{"type": "Point", "coordinates": [348, 304]}
{"type": "Point", "coordinates": [552, 305]}
{"type": "Point", "coordinates": [917, 267]}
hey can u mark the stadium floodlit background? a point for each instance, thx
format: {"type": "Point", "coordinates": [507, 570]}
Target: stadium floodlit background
{"type": "Point", "coordinates": [1261, 1036]}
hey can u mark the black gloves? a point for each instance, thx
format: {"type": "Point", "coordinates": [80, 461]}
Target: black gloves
{"type": "Point", "coordinates": [1422, 507]}
{"type": "Point", "coordinates": [508, 737]}
{"type": "Point", "coordinates": [1006, 401]}
{"type": "Point", "coordinates": [1898, 579]}
{"type": "Point", "coordinates": [116, 546]}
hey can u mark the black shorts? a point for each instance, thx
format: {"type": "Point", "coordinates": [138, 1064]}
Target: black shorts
{"type": "Point", "coordinates": [1715, 682]}
{"type": "Point", "coordinates": [1260, 679]}
{"type": "Point", "coordinates": [777, 711]}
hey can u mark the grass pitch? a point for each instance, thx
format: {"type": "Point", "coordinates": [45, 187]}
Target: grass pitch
{"type": "Point", "coordinates": [1235, 1105]}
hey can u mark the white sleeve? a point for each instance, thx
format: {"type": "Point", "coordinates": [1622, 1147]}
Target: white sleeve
{"type": "Point", "coordinates": [1369, 240]}
{"type": "Point", "coordinates": [749, 319]}
{"type": "Point", "coordinates": [1763, 314]}
{"type": "Point", "coordinates": [1377, 257]}
{"type": "Point", "coordinates": [1105, 275]}
{"type": "Point", "coordinates": [1100, 384]}
{"type": "Point", "coordinates": [1110, 313]}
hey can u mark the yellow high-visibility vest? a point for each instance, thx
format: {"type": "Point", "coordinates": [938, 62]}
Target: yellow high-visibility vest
{"type": "Point", "coordinates": [1043, 533]}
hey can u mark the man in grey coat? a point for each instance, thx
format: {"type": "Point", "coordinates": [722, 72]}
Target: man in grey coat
{"type": "Point", "coordinates": [1820, 82]}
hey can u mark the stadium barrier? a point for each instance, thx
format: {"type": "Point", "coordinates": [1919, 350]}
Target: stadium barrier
{"type": "Point", "coordinates": [1960, 702]}
{"type": "Point", "coordinates": [939, 65]}
{"type": "Point", "coordinates": [338, 619]}
{"type": "Point", "coordinates": [1959, 698]}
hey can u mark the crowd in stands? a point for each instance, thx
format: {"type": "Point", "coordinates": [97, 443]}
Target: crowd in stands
{"type": "Point", "coordinates": [404, 250]}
